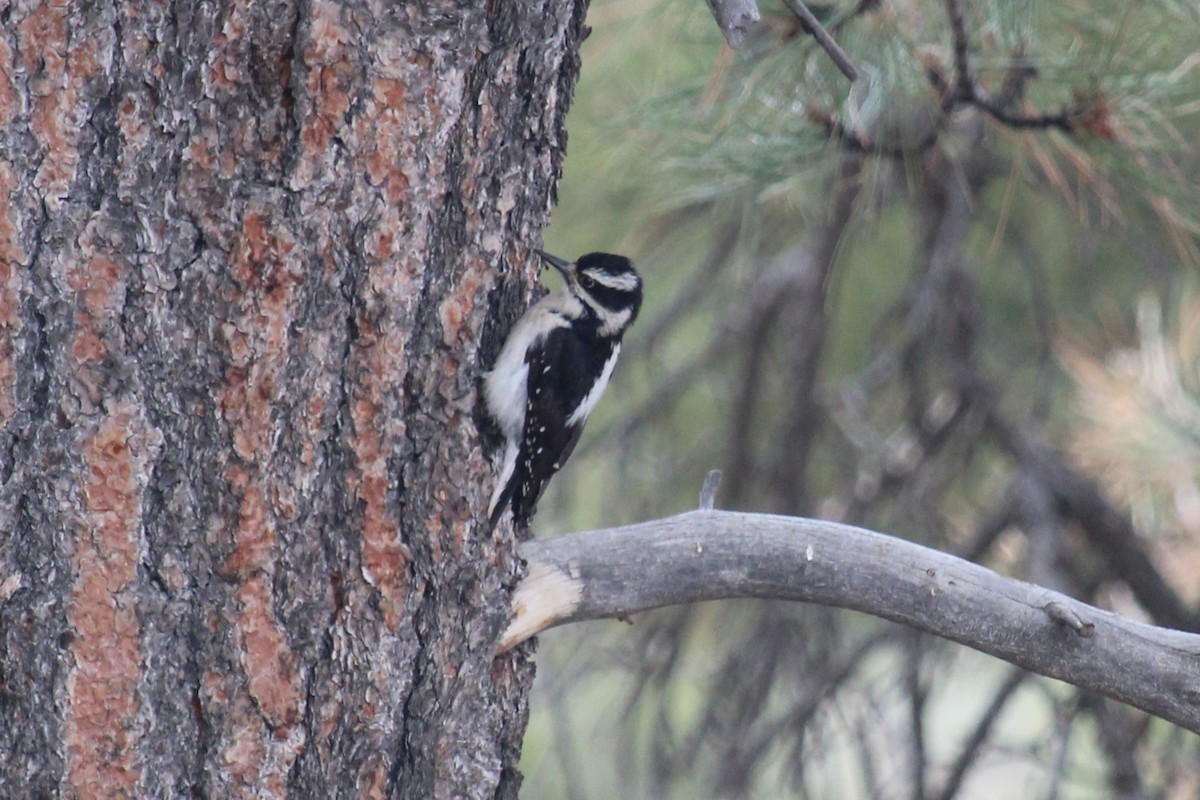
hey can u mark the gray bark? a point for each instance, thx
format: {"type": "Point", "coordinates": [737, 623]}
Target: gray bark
{"type": "Point", "coordinates": [711, 555]}
{"type": "Point", "coordinates": [252, 259]}
{"type": "Point", "coordinates": [735, 18]}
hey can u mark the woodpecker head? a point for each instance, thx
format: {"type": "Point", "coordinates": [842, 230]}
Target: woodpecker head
{"type": "Point", "coordinates": [608, 286]}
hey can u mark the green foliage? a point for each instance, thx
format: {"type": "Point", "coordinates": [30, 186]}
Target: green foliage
{"type": "Point", "coordinates": [705, 165]}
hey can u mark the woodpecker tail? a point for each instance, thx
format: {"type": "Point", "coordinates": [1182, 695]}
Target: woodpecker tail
{"type": "Point", "coordinates": [505, 486]}
{"type": "Point", "coordinates": [501, 502]}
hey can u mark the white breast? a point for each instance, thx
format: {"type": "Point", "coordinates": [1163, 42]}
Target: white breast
{"type": "Point", "coordinates": [505, 386]}
{"type": "Point", "coordinates": [505, 392]}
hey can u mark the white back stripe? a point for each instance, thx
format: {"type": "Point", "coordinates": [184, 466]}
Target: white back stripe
{"type": "Point", "coordinates": [580, 414]}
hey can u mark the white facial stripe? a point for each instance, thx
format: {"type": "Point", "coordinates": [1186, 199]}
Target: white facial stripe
{"type": "Point", "coordinates": [626, 281]}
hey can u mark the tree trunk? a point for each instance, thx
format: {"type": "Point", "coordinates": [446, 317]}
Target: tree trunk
{"type": "Point", "coordinates": [247, 254]}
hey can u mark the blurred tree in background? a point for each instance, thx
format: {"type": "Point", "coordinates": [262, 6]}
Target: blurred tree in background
{"type": "Point", "coordinates": [954, 301]}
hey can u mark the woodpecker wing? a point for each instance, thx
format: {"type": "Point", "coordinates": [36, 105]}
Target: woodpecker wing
{"type": "Point", "coordinates": [566, 377]}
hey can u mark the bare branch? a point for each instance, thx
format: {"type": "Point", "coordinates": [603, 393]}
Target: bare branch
{"type": "Point", "coordinates": [735, 18]}
{"type": "Point", "coordinates": [710, 555]}
{"type": "Point", "coordinates": [964, 76]}
{"type": "Point", "coordinates": [1064, 119]}
{"type": "Point", "coordinates": [832, 48]}
{"type": "Point", "coordinates": [967, 89]}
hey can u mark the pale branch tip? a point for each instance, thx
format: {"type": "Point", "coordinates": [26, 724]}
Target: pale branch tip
{"type": "Point", "coordinates": [545, 597]}
{"type": "Point", "coordinates": [735, 18]}
{"type": "Point", "coordinates": [712, 555]}
{"type": "Point", "coordinates": [708, 492]}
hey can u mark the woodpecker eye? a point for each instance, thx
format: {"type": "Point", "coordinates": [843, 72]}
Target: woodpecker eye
{"type": "Point", "coordinates": [587, 282]}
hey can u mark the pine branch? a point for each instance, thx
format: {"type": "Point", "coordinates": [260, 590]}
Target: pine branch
{"type": "Point", "coordinates": [736, 17]}
{"type": "Point", "coordinates": [967, 91]}
{"type": "Point", "coordinates": [813, 26]}
{"type": "Point", "coordinates": [710, 555]}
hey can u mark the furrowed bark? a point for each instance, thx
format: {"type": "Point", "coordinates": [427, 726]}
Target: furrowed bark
{"type": "Point", "coordinates": [253, 257]}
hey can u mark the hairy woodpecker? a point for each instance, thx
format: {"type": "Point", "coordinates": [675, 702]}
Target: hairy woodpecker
{"type": "Point", "coordinates": [552, 370]}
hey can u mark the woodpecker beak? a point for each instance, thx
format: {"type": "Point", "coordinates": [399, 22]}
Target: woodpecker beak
{"type": "Point", "coordinates": [563, 266]}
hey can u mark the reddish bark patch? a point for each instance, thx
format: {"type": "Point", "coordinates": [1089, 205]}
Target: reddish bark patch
{"type": "Point", "coordinates": [384, 556]}
{"type": "Point", "coordinates": [87, 346]}
{"type": "Point", "coordinates": [459, 305]}
{"type": "Point", "coordinates": [12, 255]}
{"type": "Point", "coordinates": [257, 244]}
{"type": "Point", "coordinates": [58, 69]}
{"type": "Point", "coordinates": [330, 71]}
{"type": "Point", "coordinates": [390, 149]}
{"type": "Point", "coordinates": [260, 741]}
{"type": "Point", "coordinates": [264, 265]}
{"type": "Point", "coordinates": [100, 734]}
{"type": "Point", "coordinates": [264, 709]}
{"type": "Point", "coordinates": [244, 749]}
{"type": "Point", "coordinates": [8, 95]}
{"type": "Point", "coordinates": [259, 703]}
{"type": "Point", "coordinates": [373, 779]}
{"type": "Point", "coordinates": [255, 537]}
{"type": "Point", "coordinates": [314, 410]}
{"type": "Point", "coordinates": [245, 756]}
{"type": "Point", "coordinates": [244, 745]}
{"type": "Point", "coordinates": [96, 282]}
{"type": "Point", "coordinates": [132, 119]}
{"type": "Point", "coordinates": [262, 262]}
{"type": "Point", "coordinates": [246, 406]}
{"type": "Point", "coordinates": [269, 663]}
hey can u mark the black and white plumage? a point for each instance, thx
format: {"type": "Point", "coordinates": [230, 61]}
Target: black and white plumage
{"type": "Point", "coordinates": [552, 370]}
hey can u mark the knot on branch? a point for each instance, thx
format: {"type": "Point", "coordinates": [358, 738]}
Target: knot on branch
{"type": "Point", "coordinates": [1065, 615]}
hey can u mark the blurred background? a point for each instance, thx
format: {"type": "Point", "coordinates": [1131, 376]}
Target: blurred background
{"type": "Point", "coordinates": [957, 302]}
